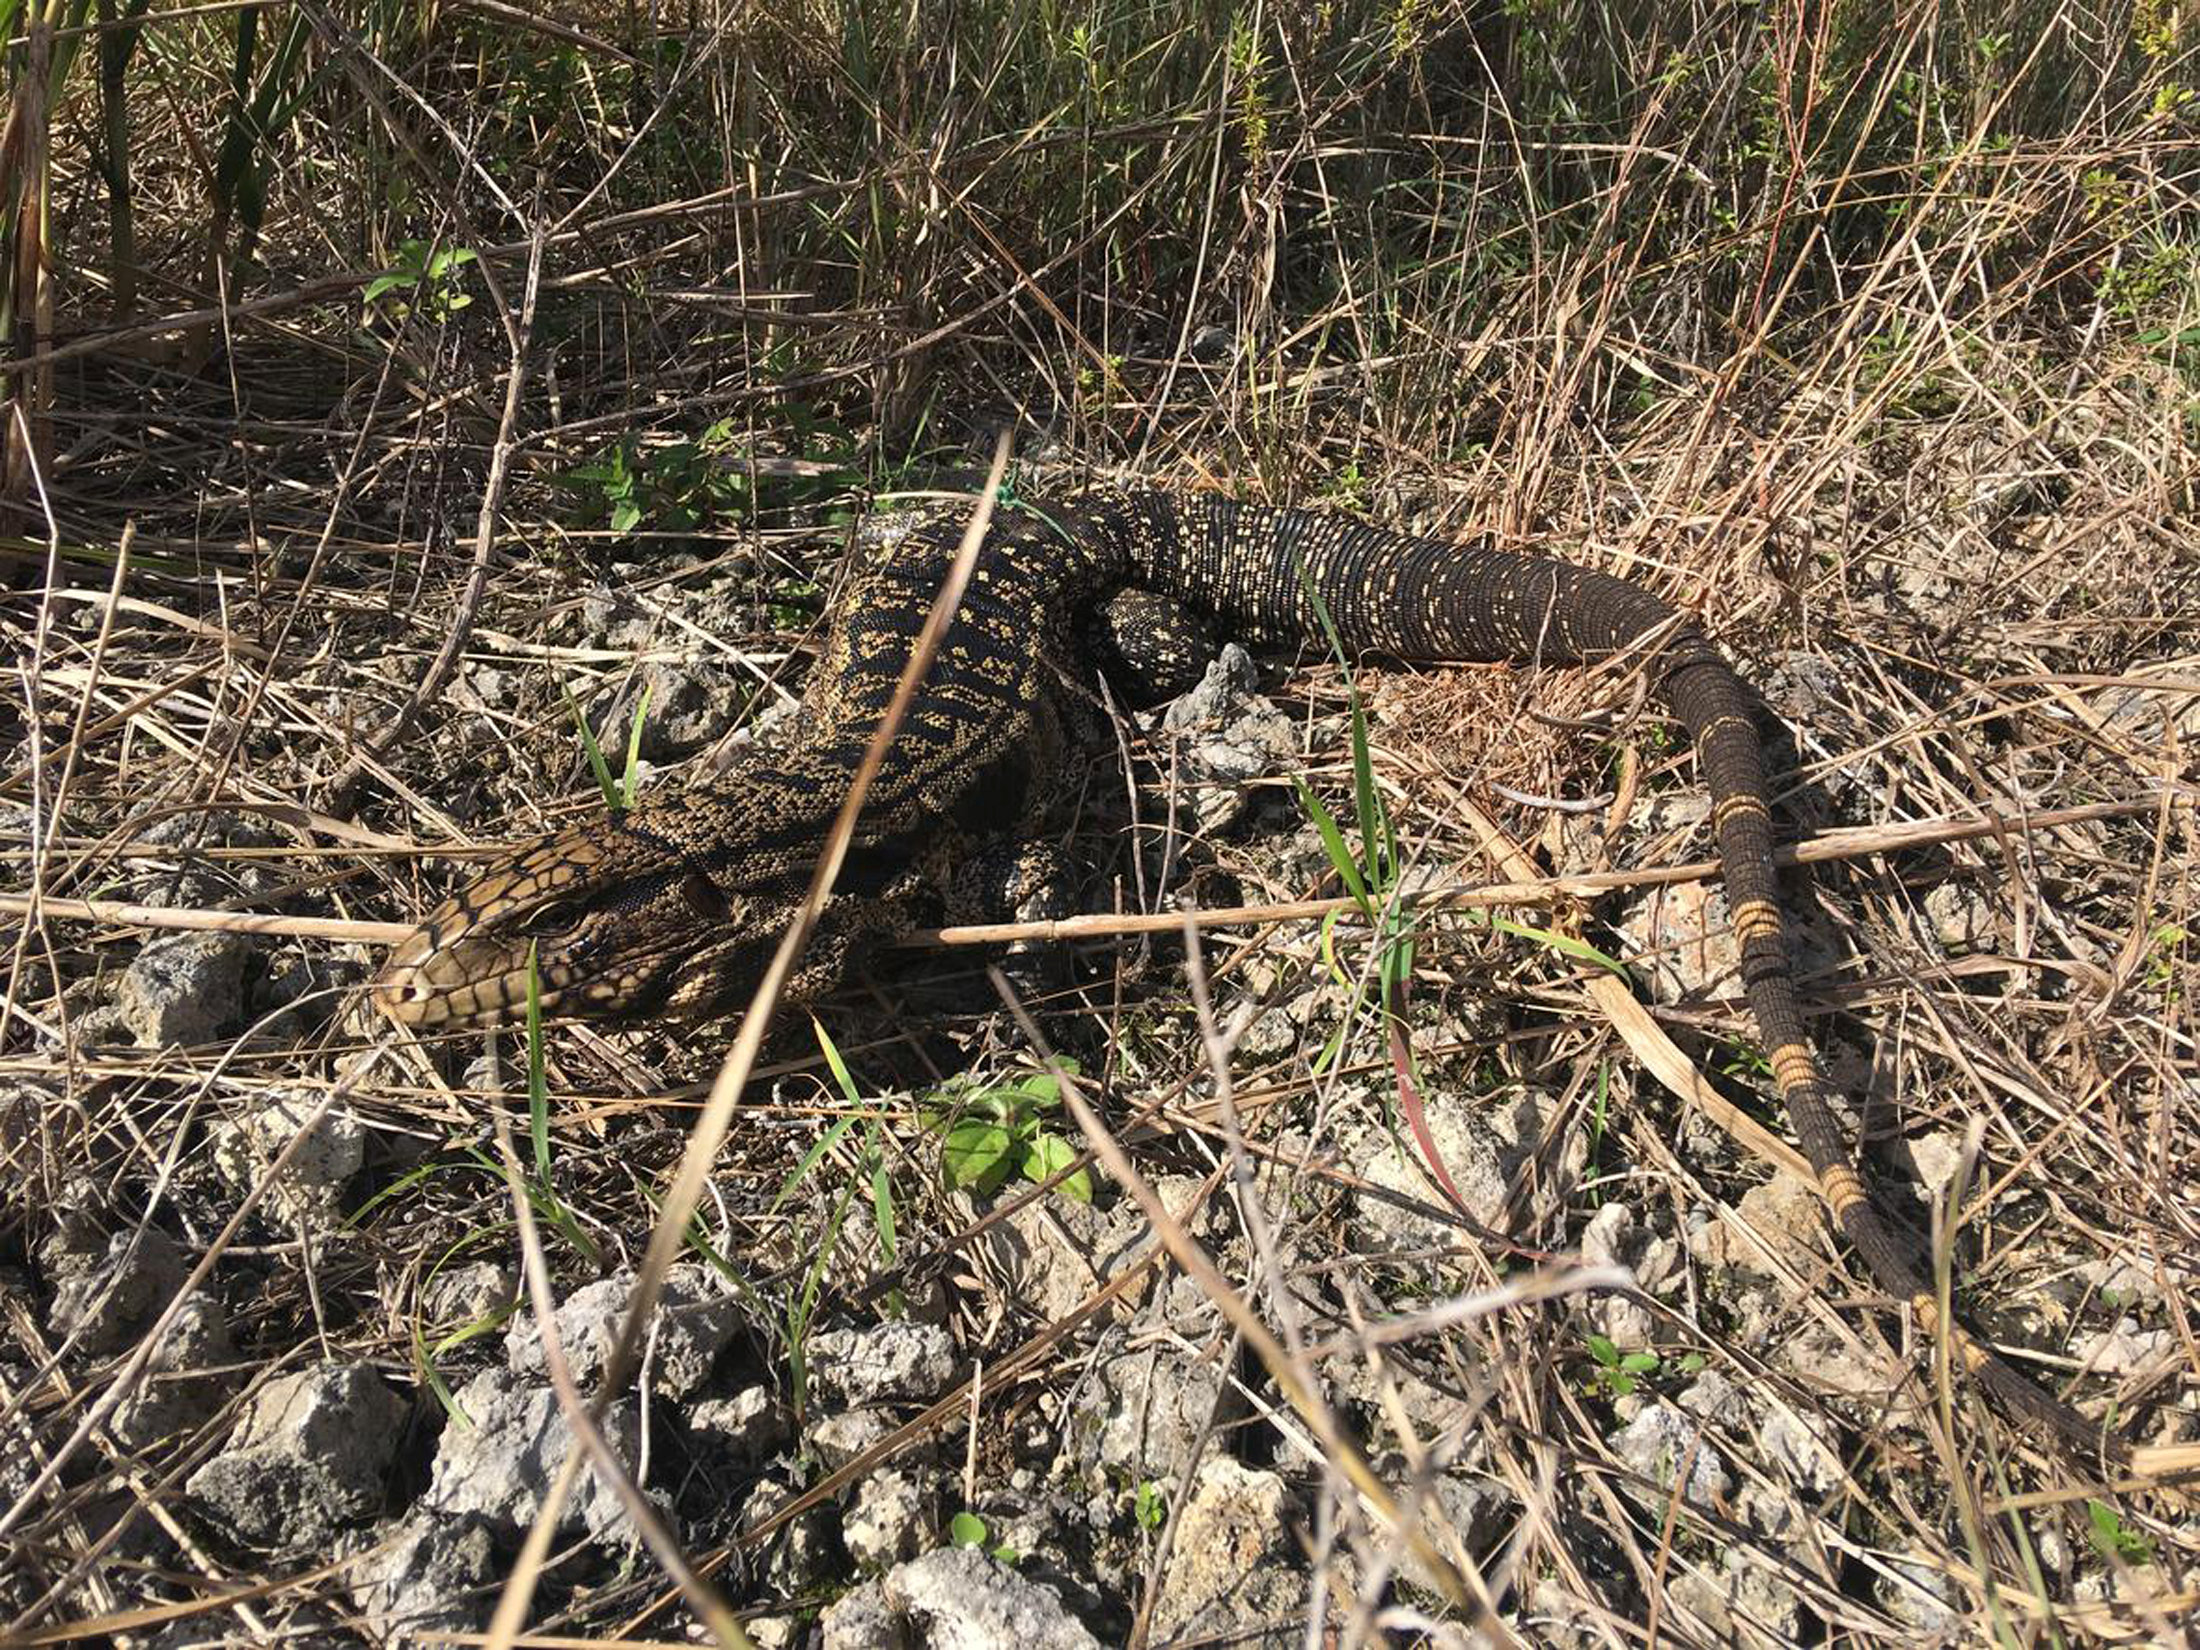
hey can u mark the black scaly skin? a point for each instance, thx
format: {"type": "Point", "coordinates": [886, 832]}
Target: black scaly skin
{"type": "Point", "coordinates": [673, 909]}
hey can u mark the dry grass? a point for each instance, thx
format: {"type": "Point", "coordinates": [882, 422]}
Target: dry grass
{"type": "Point", "coordinates": [1869, 340]}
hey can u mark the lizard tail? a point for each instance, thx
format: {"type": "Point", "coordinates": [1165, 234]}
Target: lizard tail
{"type": "Point", "coordinates": [1254, 567]}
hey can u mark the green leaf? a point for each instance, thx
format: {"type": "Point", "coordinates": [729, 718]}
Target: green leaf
{"type": "Point", "coordinates": [1564, 944]}
{"type": "Point", "coordinates": [631, 780]}
{"type": "Point", "coordinates": [590, 747]}
{"type": "Point", "coordinates": [2112, 1537]}
{"type": "Point", "coordinates": [626, 515]}
{"type": "Point", "coordinates": [1050, 1154]}
{"type": "Point", "coordinates": [801, 1171]}
{"type": "Point", "coordinates": [1639, 1363]}
{"type": "Point", "coordinates": [1150, 1506]}
{"type": "Point", "coordinates": [1333, 844]}
{"type": "Point", "coordinates": [975, 1152]}
{"type": "Point", "coordinates": [882, 1208]}
{"type": "Point", "coordinates": [966, 1529]}
{"type": "Point", "coordinates": [1043, 1089]}
{"type": "Point", "coordinates": [843, 1079]}
{"type": "Point", "coordinates": [1603, 1351]}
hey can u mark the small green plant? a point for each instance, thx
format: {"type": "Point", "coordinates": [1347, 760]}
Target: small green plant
{"type": "Point", "coordinates": [1615, 1373]}
{"type": "Point", "coordinates": [871, 1172]}
{"type": "Point", "coordinates": [1369, 873]}
{"type": "Point", "coordinates": [871, 1156]}
{"type": "Point", "coordinates": [426, 1351]}
{"type": "Point", "coordinates": [1744, 1062]}
{"type": "Point", "coordinates": [426, 274]}
{"type": "Point", "coordinates": [2112, 1538]}
{"type": "Point", "coordinates": [1248, 60]}
{"type": "Point", "coordinates": [619, 793]}
{"type": "Point", "coordinates": [2167, 952]}
{"type": "Point", "coordinates": [794, 602]}
{"type": "Point", "coordinates": [2161, 279]}
{"type": "Point", "coordinates": [1594, 1186]}
{"type": "Point", "coordinates": [674, 488]}
{"type": "Point", "coordinates": [989, 1134]}
{"type": "Point", "coordinates": [542, 1191]}
{"type": "Point", "coordinates": [1150, 1505]}
{"type": "Point", "coordinates": [967, 1529]}
{"type": "Point", "coordinates": [691, 485]}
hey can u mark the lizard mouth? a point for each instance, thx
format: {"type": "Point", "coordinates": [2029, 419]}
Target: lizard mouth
{"type": "Point", "coordinates": [433, 979]}
{"type": "Point", "coordinates": [468, 963]}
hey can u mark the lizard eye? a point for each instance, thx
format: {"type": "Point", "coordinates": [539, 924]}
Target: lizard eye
{"type": "Point", "coordinates": [553, 921]}
{"type": "Point", "coordinates": [704, 897]}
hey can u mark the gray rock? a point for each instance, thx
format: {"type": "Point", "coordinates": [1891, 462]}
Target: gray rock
{"type": "Point", "coordinates": [1919, 1595]}
{"type": "Point", "coordinates": [1743, 1603]}
{"type": "Point", "coordinates": [896, 1515]}
{"type": "Point", "coordinates": [801, 1553]}
{"type": "Point", "coordinates": [1235, 1570]}
{"type": "Point", "coordinates": [2128, 1349]}
{"type": "Point", "coordinates": [493, 689]}
{"type": "Point", "coordinates": [1827, 1362]}
{"type": "Point", "coordinates": [312, 1183]}
{"type": "Point", "coordinates": [840, 1438]}
{"type": "Point", "coordinates": [436, 1575]}
{"type": "Point", "coordinates": [2150, 713]}
{"type": "Point", "coordinates": [1802, 1458]}
{"type": "Point", "coordinates": [311, 1454]}
{"type": "Point", "coordinates": [896, 1362]}
{"type": "Point", "coordinates": [469, 1293]}
{"type": "Point", "coordinates": [1712, 1397]}
{"type": "Point", "coordinates": [1390, 1390]}
{"type": "Point", "coordinates": [1049, 1256]}
{"type": "Point", "coordinates": [1154, 1405]}
{"type": "Point", "coordinates": [191, 1375]}
{"type": "Point", "coordinates": [1615, 1237]}
{"type": "Point", "coordinates": [107, 1296]}
{"type": "Point", "coordinates": [1680, 939]}
{"type": "Point", "coordinates": [1212, 344]}
{"type": "Point", "coordinates": [202, 881]}
{"type": "Point", "coordinates": [1230, 736]}
{"type": "Point", "coordinates": [1773, 1510]}
{"type": "Point", "coordinates": [19, 1461]}
{"type": "Point", "coordinates": [1786, 1215]}
{"type": "Point", "coordinates": [693, 1323]}
{"type": "Point", "coordinates": [611, 617]}
{"type": "Point", "coordinates": [184, 989]}
{"type": "Point", "coordinates": [499, 1461]}
{"type": "Point", "coordinates": [2127, 1278]}
{"type": "Point", "coordinates": [1478, 1157]}
{"type": "Point", "coordinates": [749, 1426]}
{"type": "Point", "coordinates": [1963, 919]}
{"type": "Point", "coordinates": [312, 986]}
{"type": "Point", "coordinates": [690, 704]}
{"type": "Point", "coordinates": [1803, 686]}
{"type": "Point", "coordinates": [1659, 1440]}
{"type": "Point", "coordinates": [954, 1598]}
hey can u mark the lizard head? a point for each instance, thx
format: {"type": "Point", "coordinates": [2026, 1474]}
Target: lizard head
{"type": "Point", "coordinates": [671, 911]}
{"type": "Point", "coordinates": [617, 923]}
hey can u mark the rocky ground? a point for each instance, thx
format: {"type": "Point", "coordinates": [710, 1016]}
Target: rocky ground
{"type": "Point", "coordinates": [1597, 1342]}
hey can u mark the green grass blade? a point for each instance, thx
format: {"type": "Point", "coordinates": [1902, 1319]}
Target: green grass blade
{"type": "Point", "coordinates": [593, 750]}
{"type": "Point", "coordinates": [630, 781]}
